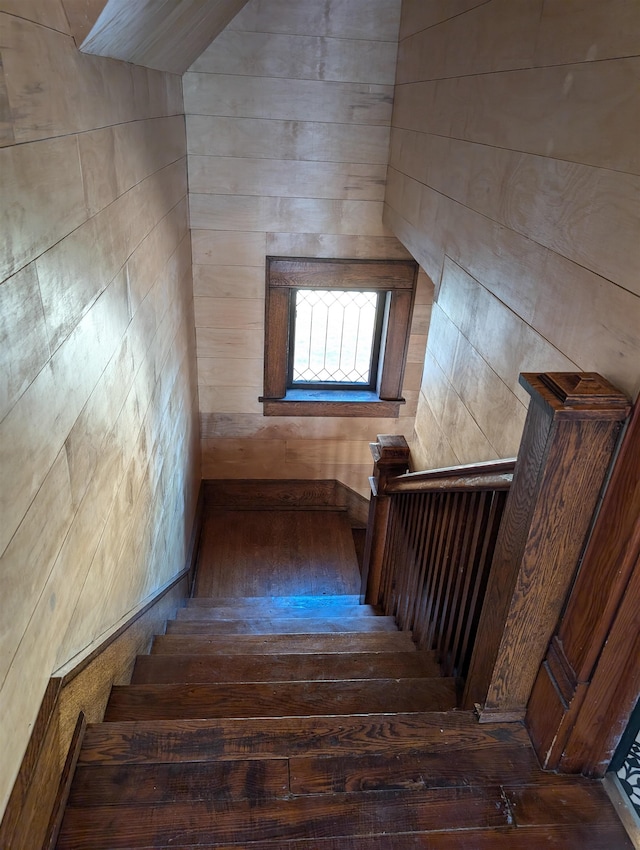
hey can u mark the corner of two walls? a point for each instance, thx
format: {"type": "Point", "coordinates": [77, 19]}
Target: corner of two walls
{"type": "Point", "coordinates": [288, 117]}
{"type": "Point", "coordinates": [513, 180]}
{"type": "Point", "coordinates": [99, 441]}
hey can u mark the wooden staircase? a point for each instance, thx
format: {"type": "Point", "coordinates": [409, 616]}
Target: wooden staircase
{"type": "Point", "coordinates": [310, 721]}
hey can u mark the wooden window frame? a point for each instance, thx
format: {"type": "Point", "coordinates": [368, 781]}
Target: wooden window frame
{"type": "Point", "coordinates": [284, 275]}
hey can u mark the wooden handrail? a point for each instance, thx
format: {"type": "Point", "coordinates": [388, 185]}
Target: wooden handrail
{"type": "Point", "coordinates": [468, 482]}
{"type": "Point", "coordinates": [486, 467]}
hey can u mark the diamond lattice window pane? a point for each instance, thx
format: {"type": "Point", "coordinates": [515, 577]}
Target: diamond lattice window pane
{"type": "Point", "coordinates": [334, 336]}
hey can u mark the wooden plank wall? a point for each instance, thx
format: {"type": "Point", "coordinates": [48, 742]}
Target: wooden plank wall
{"type": "Point", "coordinates": [514, 182]}
{"type": "Point", "coordinates": [288, 118]}
{"type": "Point", "coordinates": [98, 429]}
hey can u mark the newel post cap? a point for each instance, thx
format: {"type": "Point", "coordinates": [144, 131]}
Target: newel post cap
{"type": "Point", "coordinates": [577, 394]}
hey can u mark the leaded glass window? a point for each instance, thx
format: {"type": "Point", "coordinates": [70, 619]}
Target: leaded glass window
{"type": "Point", "coordinates": [336, 338]}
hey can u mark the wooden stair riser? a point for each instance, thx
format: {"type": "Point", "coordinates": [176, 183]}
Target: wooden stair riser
{"type": "Point", "coordinates": [274, 604]}
{"type": "Point", "coordinates": [282, 626]}
{"type": "Point", "coordinates": [278, 644]}
{"type": "Point", "coordinates": [164, 669]}
{"type": "Point", "coordinates": [253, 612]}
{"type": "Point", "coordinates": [140, 702]}
{"type": "Point", "coordinates": [161, 741]}
{"type": "Point", "coordinates": [280, 778]}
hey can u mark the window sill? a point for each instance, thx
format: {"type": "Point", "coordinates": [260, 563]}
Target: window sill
{"type": "Point", "coordinates": [332, 403]}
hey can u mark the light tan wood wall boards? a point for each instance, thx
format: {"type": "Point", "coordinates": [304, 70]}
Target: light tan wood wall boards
{"type": "Point", "coordinates": [514, 180]}
{"type": "Point", "coordinates": [288, 118]}
{"type": "Point", "coordinates": [99, 445]}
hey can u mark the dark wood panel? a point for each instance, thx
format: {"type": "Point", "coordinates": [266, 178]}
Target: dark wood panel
{"type": "Point", "coordinates": [158, 669]}
{"type": "Point", "coordinates": [134, 785]}
{"type": "Point", "coordinates": [231, 738]}
{"type": "Point", "coordinates": [322, 643]}
{"type": "Point", "coordinates": [304, 817]}
{"type": "Point", "coordinates": [281, 626]}
{"type": "Point", "coordinates": [145, 702]}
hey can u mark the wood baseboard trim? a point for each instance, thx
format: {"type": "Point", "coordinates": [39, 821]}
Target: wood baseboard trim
{"type": "Point", "coordinates": [65, 784]}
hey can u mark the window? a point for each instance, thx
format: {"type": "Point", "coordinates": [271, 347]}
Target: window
{"type": "Point", "coordinates": [336, 336]}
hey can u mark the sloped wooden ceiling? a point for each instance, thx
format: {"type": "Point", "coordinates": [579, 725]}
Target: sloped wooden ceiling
{"type": "Point", "coordinates": [168, 35]}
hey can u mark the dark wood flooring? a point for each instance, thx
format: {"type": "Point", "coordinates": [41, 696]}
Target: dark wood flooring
{"type": "Point", "coordinates": [270, 728]}
{"type": "Point", "coordinates": [276, 553]}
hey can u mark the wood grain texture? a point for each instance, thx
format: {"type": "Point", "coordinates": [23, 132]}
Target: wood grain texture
{"type": "Point", "coordinates": [84, 689]}
{"type": "Point", "coordinates": [249, 779]}
{"type": "Point", "coordinates": [97, 396]}
{"type": "Point", "coordinates": [166, 36]}
{"type": "Point", "coordinates": [286, 178]}
{"type": "Point", "coordinates": [157, 669]}
{"type": "Point", "coordinates": [337, 642]}
{"type": "Point", "coordinates": [173, 740]}
{"type": "Point", "coordinates": [475, 181]}
{"type": "Point", "coordinates": [360, 815]}
{"type": "Point", "coordinates": [377, 21]}
{"type": "Point", "coordinates": [299, 57]}
{"type": "Point", "coordinates": [166, 702]}
{"type": "Point", "coordinates": [233, 756]}
{"type": "Point", "coordinates": [563, 837]}
{"type": "Point", "coordinates": [589, 621]}
{"type": "Point", "coordinates": [303, 140]}
{"type": "Point", "coordinates": [288, 117]}
{"type": "Point", "coordinates": [228, 567]}
{"type": "Point", "coordinates": [281, 625]}
{"type": "Point", "coordinates": [539, 545]}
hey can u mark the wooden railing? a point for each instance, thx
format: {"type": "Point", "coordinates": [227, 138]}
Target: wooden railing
{"type": "Point", "coordinates": [477, 561]}
{"type": "Point", "coordinates": [441, 531]}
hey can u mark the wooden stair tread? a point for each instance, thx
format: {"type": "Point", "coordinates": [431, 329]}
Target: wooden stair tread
{"type": "Point", "coordinates": [159, 669]}
{"type": "Point", "coordinates": [240, 612]}
{"type": "Point", "coordinates": [557, 837]}
{"type": "Point", "coordinates": [278, 778]}
{"type": "Point", "coordinates": [246, 779]}
{"type": "Point", "coordinates": [242, 644]}
{"type": "Point", "coordinates": [139, 702]}
{"type": "Point", "coordinates": [185, 824]}
{"type": "Point", "coordinates": [282, 625]}
{"type": "Point", "coordinates": [271, 604]}
{"type": "Point", "coordinates": [236, 738]}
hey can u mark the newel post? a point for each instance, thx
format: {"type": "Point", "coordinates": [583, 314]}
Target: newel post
{"type": "Point", "coordinates": [390, 458]}
{"type": "Point", "coordinates": [569, 439]}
